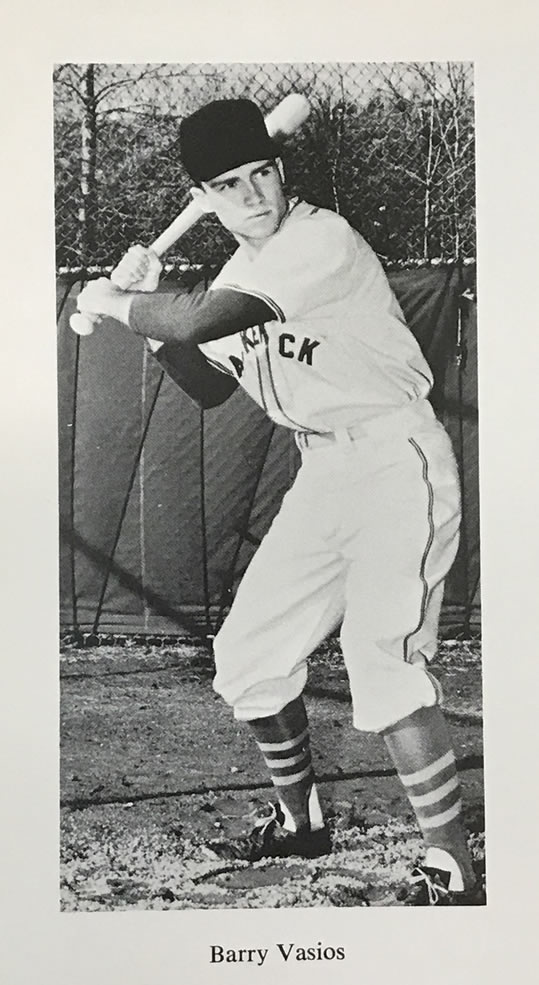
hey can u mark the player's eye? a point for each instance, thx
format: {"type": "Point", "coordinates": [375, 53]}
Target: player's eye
{"type": "Point", "coordinates": [225, 186]}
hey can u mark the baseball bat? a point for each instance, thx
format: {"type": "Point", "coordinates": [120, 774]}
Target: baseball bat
{"type": "Point", "coordinates": [284, 120]}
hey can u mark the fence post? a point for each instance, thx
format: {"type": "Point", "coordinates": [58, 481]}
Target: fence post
{"type": "Point", "coordinates": [88, 201]}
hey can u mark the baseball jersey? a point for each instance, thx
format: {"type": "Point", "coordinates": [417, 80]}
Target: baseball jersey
{"type": "Point", "coordinates": [338, 352]}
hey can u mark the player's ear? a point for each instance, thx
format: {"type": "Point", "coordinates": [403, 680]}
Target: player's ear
{"type": "Point", "coordinates": [280, 168]}
{"type": "Point", "coordinates": [198, 194]}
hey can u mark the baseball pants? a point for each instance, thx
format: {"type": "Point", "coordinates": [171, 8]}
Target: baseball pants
{"type": "Point", "coordinates": [364, 539]}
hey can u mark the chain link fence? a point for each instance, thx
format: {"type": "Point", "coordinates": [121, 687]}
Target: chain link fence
{"type": "Point", "coordinates": [389, 146]}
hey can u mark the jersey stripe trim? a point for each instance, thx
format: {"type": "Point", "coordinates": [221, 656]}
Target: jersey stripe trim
{"type": "Point", "coordinates": [428, 545]}
{"type": "Point", "coordinates": [261, 385]}
{"type": "Point", "coordinates": [219, 366]}
{"type": "Point", "coordinates": [260, 296]}
{"type": "Point", "coordinates": [280, 408]}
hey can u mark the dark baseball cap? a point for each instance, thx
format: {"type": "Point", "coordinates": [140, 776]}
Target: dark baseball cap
{"type": "Point", "coordinates": [223, 135]}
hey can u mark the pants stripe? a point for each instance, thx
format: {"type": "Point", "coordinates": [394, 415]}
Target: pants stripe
{"type": "Point", "coordinates": [430, 541]}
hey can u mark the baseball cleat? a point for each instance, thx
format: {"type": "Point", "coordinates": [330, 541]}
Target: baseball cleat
{"type": "Point", "coordinates": [430, 887]}
{"type": "Point", "coordinates": [269, 839]}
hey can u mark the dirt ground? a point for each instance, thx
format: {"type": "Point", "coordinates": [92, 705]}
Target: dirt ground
{"type": "Point", "coordinates": [154, 768]}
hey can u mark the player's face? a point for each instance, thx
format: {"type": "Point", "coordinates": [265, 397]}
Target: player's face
{"type": "Point", "coordinates": [249, 200]}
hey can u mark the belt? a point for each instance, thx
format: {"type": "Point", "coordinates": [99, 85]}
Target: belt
{"type": "Point", "coordinates": [313, 439]}
{"type": "Point", "coordinates": [387, 424]}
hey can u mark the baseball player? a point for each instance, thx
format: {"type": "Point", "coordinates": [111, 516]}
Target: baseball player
{"type": "Point", "coordinates": [303, 318]}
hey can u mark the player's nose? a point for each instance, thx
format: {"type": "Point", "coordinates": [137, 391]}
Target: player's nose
{"type": "Point", "coordinates": [253, 196]}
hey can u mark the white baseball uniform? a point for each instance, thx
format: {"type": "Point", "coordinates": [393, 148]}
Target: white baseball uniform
{"type": "Point", "coordinates": [369, 530]}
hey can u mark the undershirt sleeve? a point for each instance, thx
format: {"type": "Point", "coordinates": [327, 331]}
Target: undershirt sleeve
{"type": "Point", "coordinates": [197, 316]}
{"type": "Point", "coordinates": [190, 370]}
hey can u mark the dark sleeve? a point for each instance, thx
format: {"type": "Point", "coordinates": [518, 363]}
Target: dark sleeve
{"type": "Point", "coordinates": [197, 316]}
{"type": "Point", "coordinates": [186, 365]}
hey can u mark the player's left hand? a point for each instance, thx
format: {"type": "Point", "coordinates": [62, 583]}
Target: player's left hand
{"type": "Point", "coordinates": [96, 296]}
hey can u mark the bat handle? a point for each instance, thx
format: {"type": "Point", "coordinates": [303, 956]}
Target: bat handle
{"type": "Point", "coordinates": [182, 223]}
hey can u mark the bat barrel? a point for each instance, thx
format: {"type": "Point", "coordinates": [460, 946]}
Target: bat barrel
{"type": "Point", "coordinates": [288, 116]}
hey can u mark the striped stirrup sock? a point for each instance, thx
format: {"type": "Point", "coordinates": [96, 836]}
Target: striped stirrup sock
{"type": "Point", "coordinates": [284, 742]}
{"type": "Point", "coordinates": [434, 793]}
{"type": "Point", "coordinates": [421, 750]}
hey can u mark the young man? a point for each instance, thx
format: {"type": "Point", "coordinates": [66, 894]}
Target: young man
{"type": "Point", "coordinates": [302, 317]}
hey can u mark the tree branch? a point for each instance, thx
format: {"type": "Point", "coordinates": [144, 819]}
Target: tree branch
{"type": "Point", "coordinates": [69, 85]}
{"type": "Point", "coordinates": [152, 72]}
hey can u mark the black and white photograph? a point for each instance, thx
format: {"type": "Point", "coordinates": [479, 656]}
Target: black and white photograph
{"type": "Point", "coordinates": [270, 493]}
{"type": "Point", "coordinates": [269, 504]}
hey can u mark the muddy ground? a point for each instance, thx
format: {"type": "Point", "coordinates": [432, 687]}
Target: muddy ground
{"type": "Point", "coordinates": [154, 768]}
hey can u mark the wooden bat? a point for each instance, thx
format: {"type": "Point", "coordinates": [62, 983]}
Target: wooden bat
{"type": "Point", "coordinates": [284, 120]}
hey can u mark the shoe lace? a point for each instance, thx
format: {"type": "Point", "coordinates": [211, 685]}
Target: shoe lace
{"type": "Point", "coordinates": [263, 823]}
{"type": "Point", "coordinates": [435, 889]}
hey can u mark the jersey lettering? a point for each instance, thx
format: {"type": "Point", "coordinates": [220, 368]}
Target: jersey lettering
{"type": "Point", "coordinates": [251, 337]}
{"type": "Point", "coordinates": [237, 364]}
{"type": "Point", "coordinates": [306, 351]}
{"type": "Point", "coordinates": [283, 339]}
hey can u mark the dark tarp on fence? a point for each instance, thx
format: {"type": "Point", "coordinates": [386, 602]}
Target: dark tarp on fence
{"type": "Point", "coordinates": [162, 505]}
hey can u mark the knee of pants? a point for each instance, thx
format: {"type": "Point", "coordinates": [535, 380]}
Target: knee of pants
{"type": "Point", "coordinates": [239, 660]}
{"type": "Point", "coordinates": [386, 690]}
{"type": "Point", "coordinates": [253, 684]}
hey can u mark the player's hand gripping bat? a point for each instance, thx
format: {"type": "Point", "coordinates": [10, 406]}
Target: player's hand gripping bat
{"type": "Point", "coordinates": [284, 120]}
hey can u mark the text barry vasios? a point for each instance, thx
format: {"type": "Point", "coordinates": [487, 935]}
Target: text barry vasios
{"type": "Point", "coordinates": [284, 952]}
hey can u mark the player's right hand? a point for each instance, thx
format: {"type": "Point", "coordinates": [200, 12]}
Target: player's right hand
{"type": "Point", "coordinates": [138, 270]}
